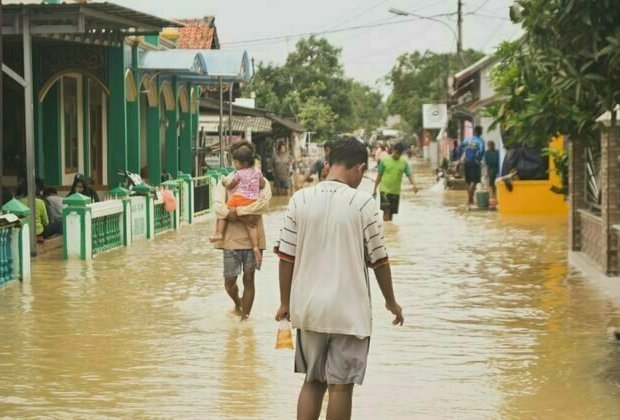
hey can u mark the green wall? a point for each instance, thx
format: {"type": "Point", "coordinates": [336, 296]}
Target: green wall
{"type": "Point", "coordinates": [185, 144]}
{"type": "Point", "coordinates": [117, 122]}
{"type": "Point", "coordinates": [172, 144]}
{"type": "Point", "coordinates": [153, 154]}
{"type": "Point", "coordinates": [49, 137]}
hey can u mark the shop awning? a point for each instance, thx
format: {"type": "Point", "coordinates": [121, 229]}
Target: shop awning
{"type": "Point", "coordinates": [200, 66]}
{"type": "Point", "coordinates": [179, 62]}
{"type": "Point", "coordinates": [212, 105]}
{"type": "Point", "coordinates": [210, 123]}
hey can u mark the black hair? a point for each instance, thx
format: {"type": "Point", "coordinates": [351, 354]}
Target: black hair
{"type": "Point", "coordinates": [348, 152]}
{"type": "Point", "coordinates": [243, 152]}
{"type": "Point", "coordinates": [399, 147]}
{"type": "Point", "coordinates": [478, 130]}
{"type": "Point", "coordinates": [49, 191]}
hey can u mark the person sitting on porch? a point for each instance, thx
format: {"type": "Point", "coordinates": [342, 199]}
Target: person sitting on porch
{"type": "Point", "coordinates": [81, 185]}
{"type": "Point", "coordinates": [245, 183]}
{"type": "Point", "coordinates": [43, 228]}
{"type": "Point", "coordinates": [54, 202]}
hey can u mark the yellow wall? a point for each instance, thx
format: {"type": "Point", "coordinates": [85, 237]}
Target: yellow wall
{"type": "Point", "coordinates": [534, 197]}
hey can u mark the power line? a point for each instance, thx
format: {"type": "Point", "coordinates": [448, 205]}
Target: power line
{"type": "Point", "coordinates": [481, 6]}
{"type": "Point", "coordinates": [363, 12]}
{"type": "Point", "coordinates": [504, 18]}
{"type": "Point", "coordinates": [332, 31]}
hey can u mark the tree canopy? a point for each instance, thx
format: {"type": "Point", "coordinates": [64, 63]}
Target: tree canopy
{"type": "Point", "coordinates": [422, 77]}
{"type": "Point", "coordinates": [311, 87]}
{"type": "Point", "coordinates": [565, 71]}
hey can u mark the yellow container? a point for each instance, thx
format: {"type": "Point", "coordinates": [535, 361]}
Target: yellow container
{"type": "Point", "coordinates": [534, 197]}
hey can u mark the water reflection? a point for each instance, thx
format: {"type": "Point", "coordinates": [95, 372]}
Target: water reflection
{"type": "Point", "coordinates": [496, 328]}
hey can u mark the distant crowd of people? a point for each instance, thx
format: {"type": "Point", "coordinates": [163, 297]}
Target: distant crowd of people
{"type": "Point", "coordinates": [48, 204]}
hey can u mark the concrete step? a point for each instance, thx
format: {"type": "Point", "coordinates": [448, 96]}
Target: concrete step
{"type": "Point", "coordinates": [50, 245]}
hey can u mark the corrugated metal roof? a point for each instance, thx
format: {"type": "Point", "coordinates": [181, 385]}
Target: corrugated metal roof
{"type": "Point", "coordinates": [201, 65]}
{"type": "Point", "coordinates": [188, 61]}
{"type": "Point", "coordinates": [104, 12]}
{"type": "Point", "coordinates": [211, 123]}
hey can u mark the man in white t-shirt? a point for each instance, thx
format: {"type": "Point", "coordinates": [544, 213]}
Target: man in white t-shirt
{"type": "Point", "coordinates": [331, 234]}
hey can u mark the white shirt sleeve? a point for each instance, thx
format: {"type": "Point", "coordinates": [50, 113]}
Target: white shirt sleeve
{"type": "Point", "coordinates": [374, 240]}
{"type": "Point", "coordinates": [286, 247]}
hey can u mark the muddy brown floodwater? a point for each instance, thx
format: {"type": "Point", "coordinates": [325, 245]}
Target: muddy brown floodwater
{"type": "Point", "coordinates": [496, 327]}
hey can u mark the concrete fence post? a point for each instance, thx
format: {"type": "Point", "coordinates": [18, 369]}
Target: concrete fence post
{"type": "Point", "coordinates": [122, 194]}
{"type": "Point", "coordinates": [188, 197]}
{"type": "Point", "coordinates": [77, 221]}
{"type": "Point", "coordinates": [147, 191]}
{"type": "Point", "coordinates": [20, 245]}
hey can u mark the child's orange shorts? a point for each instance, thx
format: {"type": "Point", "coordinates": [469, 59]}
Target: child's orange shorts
{"type": "Point", "coordinates": [237, 200]}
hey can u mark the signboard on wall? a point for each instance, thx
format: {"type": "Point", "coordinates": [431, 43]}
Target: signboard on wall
{"type": "Point", "coordinates": [435, 115]}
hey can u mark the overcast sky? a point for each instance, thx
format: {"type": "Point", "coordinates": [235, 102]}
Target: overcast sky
{"type": "Point", "coordinates": [369, 53]}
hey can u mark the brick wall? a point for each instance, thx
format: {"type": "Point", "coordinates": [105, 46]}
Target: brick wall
{"type": "Point", "coordinates": [592, 237]}
{"type": "Point", "coordinates": [577, 188]}
{"type": "Point", "coordinates": [610, 206]}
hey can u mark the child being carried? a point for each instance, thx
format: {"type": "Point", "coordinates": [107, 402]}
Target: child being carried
{"type": "Point", "coordinates": [245, 183]}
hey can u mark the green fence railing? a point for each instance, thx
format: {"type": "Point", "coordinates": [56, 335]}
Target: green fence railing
{"type": "Point", "coordinates": [6, 254]}
{"type": "Point", "coordinates": [107, 234]}
{"type": "Point", "coordinates": [163, 220]}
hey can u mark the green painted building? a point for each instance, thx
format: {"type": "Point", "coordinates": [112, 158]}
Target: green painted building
{"type": "Point", "coordinates": [107, 94]}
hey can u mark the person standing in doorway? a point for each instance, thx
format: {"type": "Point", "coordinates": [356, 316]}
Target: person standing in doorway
{"type": "Point", "coordinates": [472, 153]}
{"type": "Point", "coordinates": [237, 247]}
{"type": "Point", "coordinates": [491, 161]}
{"type": "Point", "coordinates": [281, 165]}
{"type": "Point", "coordinates": [330, 236]}
{"type": "Point", "coordinates": [390, 178]}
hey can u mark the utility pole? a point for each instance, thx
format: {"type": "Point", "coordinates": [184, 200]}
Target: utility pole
{"type": "Point", "coordinates": [459, 41]}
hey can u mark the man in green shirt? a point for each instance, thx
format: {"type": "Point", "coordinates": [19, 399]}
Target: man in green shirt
{"type": "Point", "coordinates": [391, 171]}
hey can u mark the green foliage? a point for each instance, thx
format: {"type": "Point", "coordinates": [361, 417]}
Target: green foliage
{"type": "Point", "coordinates": [419, 78]}
{"type": "Point", "coordinates": [316, 114]}
{"type": "Point", "coordinates": [563, 74]}
{"type": "Point", "coordinates": [560, 159]}
{"type": "Point", "coordinates": [311, 88]}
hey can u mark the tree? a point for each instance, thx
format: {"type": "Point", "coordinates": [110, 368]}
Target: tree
{"type": "Point", "coordinates": [532, 114]}
{"type": "Point", "coordinates": [368, 110]}
{"type": "Point", "coordinates": [311, 88]}
{"type": "Point", "coordinates": [565, 71]}
{"type": "Point", "coordinates": [419, 78]}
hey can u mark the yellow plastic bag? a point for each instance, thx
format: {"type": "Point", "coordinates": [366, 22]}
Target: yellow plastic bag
{"type": "Point", "coordinates": [284, 339]}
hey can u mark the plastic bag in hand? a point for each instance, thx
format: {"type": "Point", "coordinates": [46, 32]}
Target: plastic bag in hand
{"type": "Point", "coordinates": [285, 336]}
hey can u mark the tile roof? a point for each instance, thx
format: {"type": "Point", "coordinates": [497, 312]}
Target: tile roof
{"type": "Point", "coordinates": [198, 34]}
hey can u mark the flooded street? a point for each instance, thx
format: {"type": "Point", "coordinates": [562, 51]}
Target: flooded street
{"type": "Point", "coordinates": [495, 327]}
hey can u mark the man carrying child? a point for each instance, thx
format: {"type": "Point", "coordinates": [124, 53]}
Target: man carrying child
{"type": "Point", "coordinates": [240, 250]}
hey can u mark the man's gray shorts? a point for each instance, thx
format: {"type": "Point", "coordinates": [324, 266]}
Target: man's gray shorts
{"type": "Point", "coordinates": [236, 260]}
{"type": "Point", "coordinates": [335, 359]}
